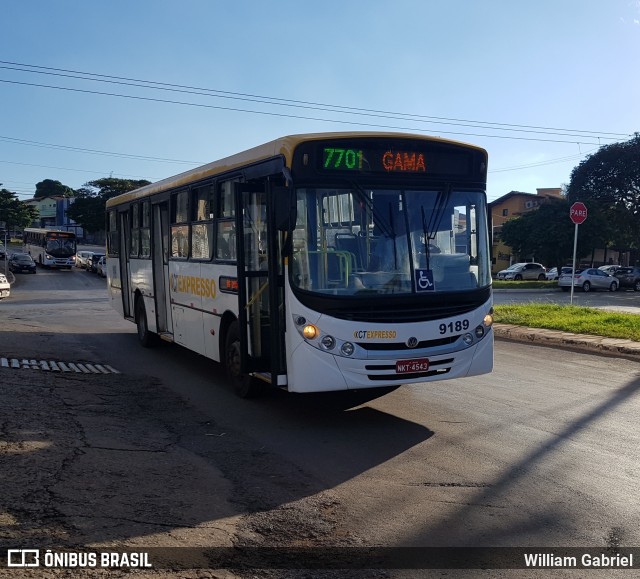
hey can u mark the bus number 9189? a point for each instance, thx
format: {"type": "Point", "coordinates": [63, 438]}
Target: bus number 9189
{"type": "Point", "coordinates": [459, 326]}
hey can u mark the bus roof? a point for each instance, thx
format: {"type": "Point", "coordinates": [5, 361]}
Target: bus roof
{"type": "Point", "coordinates": [46, 230]}
{"type": "Point", "coordinates": [283, 146]}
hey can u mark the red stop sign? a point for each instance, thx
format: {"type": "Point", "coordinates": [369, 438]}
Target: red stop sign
{"type": "Point", "coordinates": [578, 212]}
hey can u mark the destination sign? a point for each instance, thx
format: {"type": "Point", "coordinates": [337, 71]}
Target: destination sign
{"type": "Point", "coordinates": [401, 157]}
{"type": "Point", "coordinates": [355, 160]}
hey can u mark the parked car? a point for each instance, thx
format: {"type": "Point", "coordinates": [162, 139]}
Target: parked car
{"type": "Point", "coordinates": [5, 286]}
{"type": "Point", "coordinates": [610, 269]}
{"type": "Point", "coordinates": [82, 258]}
{"type": "Point", "coordinates": [588, 279]}
{"type": "Point", "coordinates": [552, 274]}
{"type": "Point", "coordinates": [520, 271]}
{"type": "Point", "coordinates": [102, 266]}
{"type": "Point", "coordinates": [92, 263]}
{"type": "Point", "coordinates": [20, 262]}
{"type": "Point", "coordinates": [629, 277]}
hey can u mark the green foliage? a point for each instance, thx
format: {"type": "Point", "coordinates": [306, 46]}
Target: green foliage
{"type": "Point", "coordinates": [608, 183]}
{"type": "Point", "coordinates": [109, 187]}
{"type": "Point", "coordinates": [51, 188]}
{"type": "Point", "coordinates": [609, 180]}
{"type": "Point", "coordinates": [89, 207]}
{"type": "Point", "coordinates": [547, 234]}
{"type": "Point", "coordinates": [15, 213]}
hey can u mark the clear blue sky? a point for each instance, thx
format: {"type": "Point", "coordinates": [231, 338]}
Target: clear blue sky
{"type": "Point", "coordinates": [568, 69]}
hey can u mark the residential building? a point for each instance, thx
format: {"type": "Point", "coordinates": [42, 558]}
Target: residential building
{"type": "Point", "coordinates": [516, 203]}
{"type": "Point", "coordinates": [53, 214]}
{"type": "Point", "coordinates": [513, 204]}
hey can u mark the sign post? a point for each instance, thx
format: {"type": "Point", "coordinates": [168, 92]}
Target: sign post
{"type": "Point", "coordinates": [577, 214]}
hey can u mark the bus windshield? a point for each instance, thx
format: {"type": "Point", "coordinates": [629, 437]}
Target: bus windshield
{"type": "Point", "coordinates": [353, 241]}
{"type": "Point", "coordinates": [60, 246]}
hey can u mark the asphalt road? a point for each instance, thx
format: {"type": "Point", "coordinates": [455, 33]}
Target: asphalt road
{"type": "Point", "coordinates": [542, 452]}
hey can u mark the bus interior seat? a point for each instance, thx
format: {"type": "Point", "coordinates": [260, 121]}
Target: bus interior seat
{"type": "Point", "coordinates": [349, 242]}
{"type": "Point", "coordinates": [452, 271]}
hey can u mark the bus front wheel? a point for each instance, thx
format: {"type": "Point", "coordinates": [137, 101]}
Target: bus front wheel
{"type": "Point", "coordinates": [145, 337]}
{"type": "Point", "coordinates": [243, 384]}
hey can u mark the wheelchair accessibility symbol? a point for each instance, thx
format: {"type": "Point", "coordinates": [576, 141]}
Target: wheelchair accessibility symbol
{"type": "Point", "coordinates": [424, 280]}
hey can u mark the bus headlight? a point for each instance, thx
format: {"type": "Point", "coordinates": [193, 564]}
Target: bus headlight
{"type": "Point", "coordinates": [310, 331]}
{"type": "Point", "coordinates": [467, 339]}
{"type": "Point", "coordinates": [328, 342]}
{"type": "Point", "coordinates": [488, 320]}
{"type": "Point", "coordinates": [347, 349]}
{"type": "Point", "coordinates": [479, 332]}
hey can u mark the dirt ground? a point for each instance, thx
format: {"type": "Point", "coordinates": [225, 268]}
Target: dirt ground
{"type": "Point", "coordinates": [114, 462]}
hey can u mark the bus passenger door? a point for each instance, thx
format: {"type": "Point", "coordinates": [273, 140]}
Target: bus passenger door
{"type": "Point", "coordinates": [160, 258]}
{"type": "Point", "coordinates": [125, 273]}
{"type": "Point", "coordinates": [260, 283]}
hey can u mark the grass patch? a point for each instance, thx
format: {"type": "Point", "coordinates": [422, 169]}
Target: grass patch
{"type": "Point", "coordinates": [576, 319]}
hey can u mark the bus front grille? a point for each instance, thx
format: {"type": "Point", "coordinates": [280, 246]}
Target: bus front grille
{"type": "Point", "coordinates": [401, 346]}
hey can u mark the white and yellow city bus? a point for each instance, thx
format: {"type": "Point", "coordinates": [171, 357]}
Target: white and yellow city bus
{"type": "Point", "coordinates": [320, 262]}
{"type": "Point", "coordinates": [50, 247]}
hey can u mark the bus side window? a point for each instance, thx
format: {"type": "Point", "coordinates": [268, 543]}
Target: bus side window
{"type": "Point", "coordinates": [225, 227]}
{"type": "Point", "coordinates": [226, 240]}
{"type": "Point", "coordinates": [202, 223]}
{"type": "Point", "coordinates": [227, 203]}
{"type": "Point", "coordinates": [180, 227]}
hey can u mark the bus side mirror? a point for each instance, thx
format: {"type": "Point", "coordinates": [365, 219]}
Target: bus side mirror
{"type": "Point", "coordinates": [285, 208]}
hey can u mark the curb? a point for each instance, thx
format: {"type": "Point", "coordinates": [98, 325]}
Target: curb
{"type": "Point", "coordinates": [580, 342]}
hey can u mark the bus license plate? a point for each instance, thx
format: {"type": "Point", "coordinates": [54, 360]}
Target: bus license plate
{"type": "Point", "coordinates": [410, 366]}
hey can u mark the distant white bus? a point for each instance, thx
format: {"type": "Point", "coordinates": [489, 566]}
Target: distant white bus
{"type": "Point", "coordinates": [50, 247]}
{"type": "Point", "coordinates": [324, 262]}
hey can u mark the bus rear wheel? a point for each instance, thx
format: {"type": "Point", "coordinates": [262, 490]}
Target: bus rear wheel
{"type": "Point", "coordinates": [243, 385]}
{"type": "Point", "coordinates": [146, 338]}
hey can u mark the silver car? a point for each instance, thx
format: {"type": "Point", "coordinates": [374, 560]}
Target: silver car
{"type": "Point", "coordinates": [102, 266]}
{"type": "Point", "coordinates": [589, 279]}
{"type": "Point", "coordinates": [610, 269]}
{"type": "Point", "coordinates": [83, 258]}
{"type": "Point", "coordinates": [520, 271]}
{"type": "Point", "coordinates": [552, 274]}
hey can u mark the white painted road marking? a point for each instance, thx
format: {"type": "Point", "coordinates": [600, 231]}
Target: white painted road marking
{"type": "Point", "coordinates": [54, 366]}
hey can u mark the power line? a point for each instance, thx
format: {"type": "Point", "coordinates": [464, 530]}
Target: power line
{"type": "Point", "coordinates": [296, 104]}
{"type": "Point", "coordinates": [283, 115]}
{"type": "Point", "coordinates": [78, 170]}
{"type": "Point", "coordinates": [132, 156]}
{"type": "Point", "coordinates": [542, 163]}
{"type": "Point", "coordinates": [94, 151]}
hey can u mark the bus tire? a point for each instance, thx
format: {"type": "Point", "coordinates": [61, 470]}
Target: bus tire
{"type": "Point", "coordinates": [145, 337]}
{"type": "Point", "coordinates": [243, 384]}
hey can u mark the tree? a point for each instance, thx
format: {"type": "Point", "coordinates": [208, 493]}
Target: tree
{"type": "Point", "coordinates": [548, 233]}
{"type": "Point", "coordinates": [88, 209]}
{"type": "Point", "coordinates": [609, 181]}
{"type": "Point", "coordinates": [15, 213]}
{"type": "Point", "coordinates": [50, 188]}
